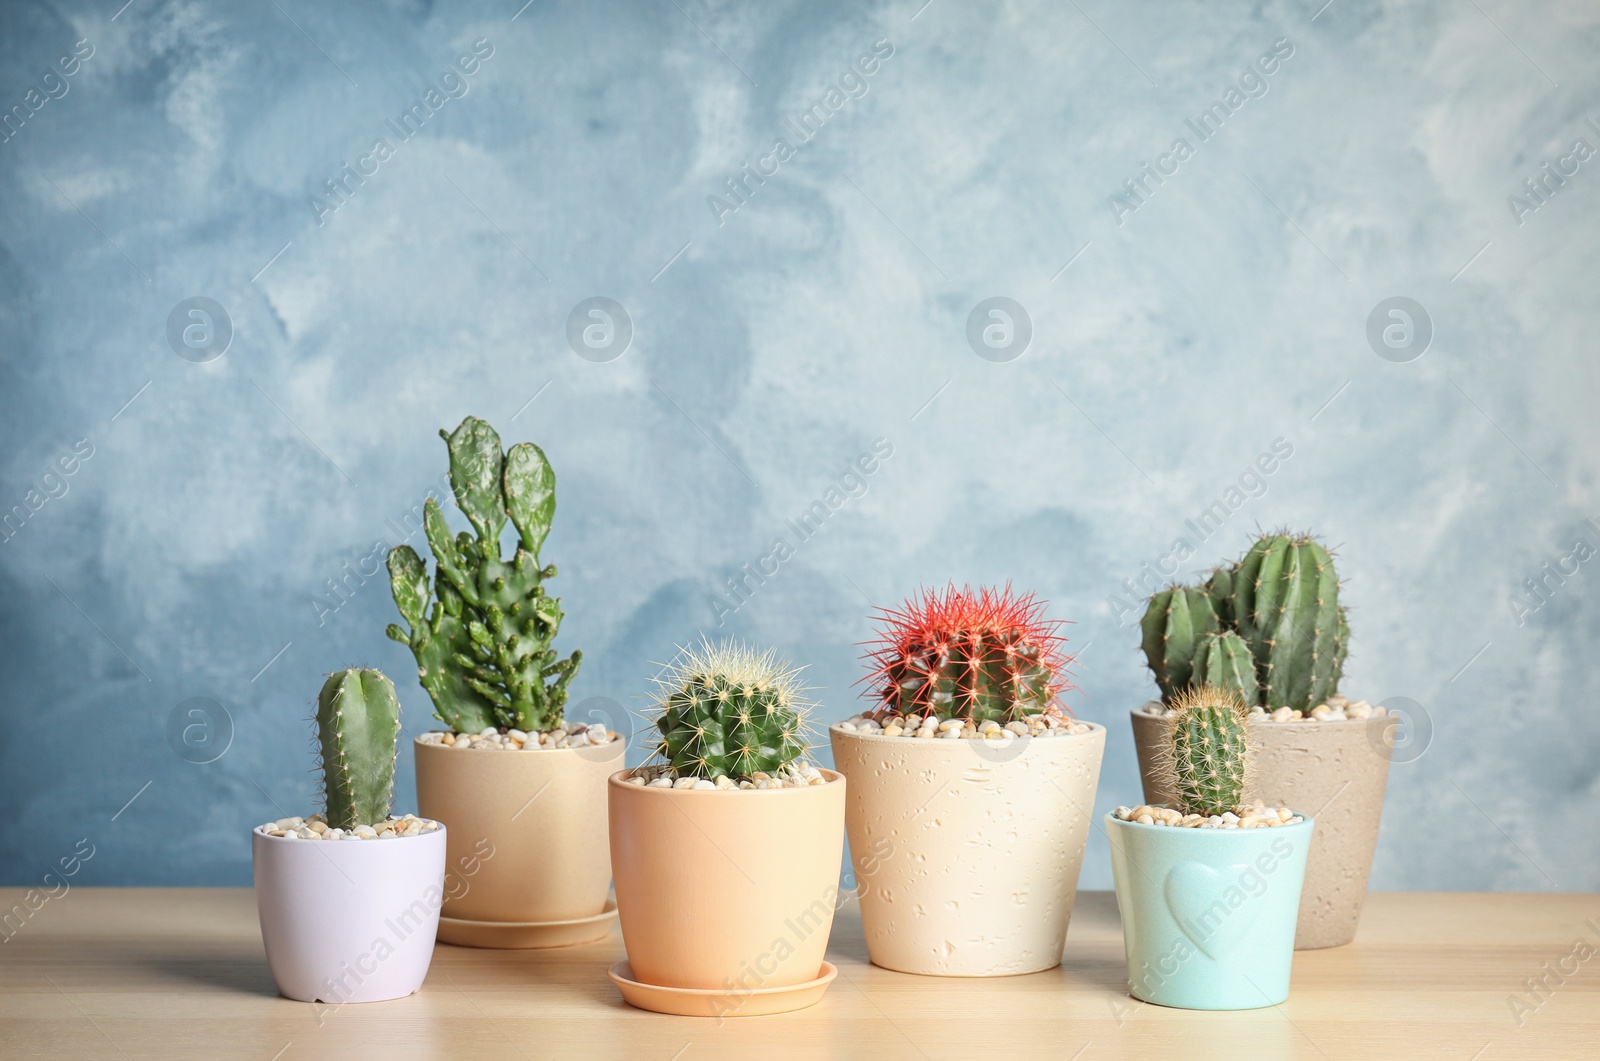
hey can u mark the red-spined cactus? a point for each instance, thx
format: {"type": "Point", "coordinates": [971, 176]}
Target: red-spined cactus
{"type": "Point", "coordinates": [989, 654]}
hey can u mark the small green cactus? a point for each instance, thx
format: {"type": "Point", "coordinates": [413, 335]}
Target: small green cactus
{"type": "Point", "coordinates": [1280, 603]}
{"type": "Point", "coordinates": [730, 711]}
{"type": "Point", "coordinates": [358, 728]}
{"type": "Point", "coordinates": [1206, 759]}
{"type": "Point", "coordinates": [483, 650]}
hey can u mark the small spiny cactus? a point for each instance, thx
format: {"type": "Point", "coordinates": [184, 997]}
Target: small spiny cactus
{"type": "Point", "coordinates": [1206, 759]}
{"type": "Point", "coordinates": [727, 710]}
{"type": "Point", "coordinates": [358, 728]}
{"type": "Point", "coordinates": [976, 656]}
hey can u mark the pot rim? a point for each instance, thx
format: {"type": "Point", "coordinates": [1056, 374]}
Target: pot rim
{"type": "Point", "coordinates": [259, 831]}
{"type": "Point", "coordinates": [619, 740]}
{"type": "Point", "coordinates": [833, 727]}
{"type": "Point", "coordinates": [617, 780]}
{"type": "Point", "coordinates": [1298, 726]}
{"type": "Point", "coordinates": [1306, 823]}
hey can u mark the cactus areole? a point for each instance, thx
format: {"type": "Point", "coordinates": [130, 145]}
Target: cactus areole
{"type": "Point", "coordinates": [1269, 628]}
{"type": "Point", "coordinates": [977, 656]}
{"type": "Point", "coordinates": [483, 641]}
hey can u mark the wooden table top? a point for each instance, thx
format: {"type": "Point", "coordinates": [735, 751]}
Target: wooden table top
{"type": "Point", "coordinates": [175, 973]}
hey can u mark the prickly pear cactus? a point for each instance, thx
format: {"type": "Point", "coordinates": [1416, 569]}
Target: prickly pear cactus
{"type": "Point", "coordinates": [1174, 622]}
{"type": "Point", "coordinates": [726, 710]}
{"type": "Point", "coordinates": [483, 649]}
{"type": "Point", "coordinates": [974, 656]}
{"type": "Point", "coordinates": [358, 728]}
{"type": "Point", "coordinates": [1206, 760]}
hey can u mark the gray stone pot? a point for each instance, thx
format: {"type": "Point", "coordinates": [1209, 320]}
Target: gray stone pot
{"type": "Point", "coordinates": [1334, 771]}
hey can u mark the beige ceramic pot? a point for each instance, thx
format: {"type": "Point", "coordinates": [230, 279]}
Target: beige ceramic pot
{"type": "Point", "coordinates": [724, 890]}
{"type": "Point", "coordinates": [967, 852]}
{"type": "Point", "coordinates": [1336, 772]}
{"type": "Point", "coordinates": [527, 831]}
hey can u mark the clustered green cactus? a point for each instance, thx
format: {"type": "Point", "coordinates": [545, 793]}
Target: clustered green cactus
{"type": "Point", "coordinates": [358, 729]}
{"type": "Point", "coordinates": [728, 710]}
{"type": "Point", "coordinates": [1205, 761]}
{"type": "Point", "coordinates": [483, 650]}
{"type": "Point", "coordinates": [1269, 628]}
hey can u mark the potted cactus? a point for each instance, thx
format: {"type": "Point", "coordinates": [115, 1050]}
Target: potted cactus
{"type": "Point", "coordinates": [971, 787]}
{"type": "Point", "coordinates": [1208, 888]}
{"type": "Point", "coordinates": [1271, 629]}
{"type": "Point", "coordinates": [482, 633]}
{"type": "Point", "coordinates": [727, 846]}
{"type": "Point", "coordinates": [349, 899]}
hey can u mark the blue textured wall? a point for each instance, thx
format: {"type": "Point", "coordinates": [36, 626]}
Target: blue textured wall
{"type": "Point", "coordinates": [1180, 329]}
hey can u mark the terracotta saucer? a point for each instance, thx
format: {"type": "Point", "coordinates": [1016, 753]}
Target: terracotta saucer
{"type": "Point", "coordinates": [695, 1002]}
{"type": "Point", "coordinates": [525, 935]}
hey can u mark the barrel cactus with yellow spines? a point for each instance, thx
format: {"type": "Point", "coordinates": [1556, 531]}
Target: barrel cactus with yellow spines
{"type": "Point", "coordinates": [1206, 757]}
{"type": "Point", "coordinates": [727, 710]}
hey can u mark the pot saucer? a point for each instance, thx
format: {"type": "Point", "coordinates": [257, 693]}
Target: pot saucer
{"type": "Point", "coordinates": [525, 935]}
{"type": "Point", "coordinates": [696, 1002]}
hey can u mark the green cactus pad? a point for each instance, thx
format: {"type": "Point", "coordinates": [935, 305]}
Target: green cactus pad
{"type": "Point", "coordinates": [726, 710]}
{"type": "Point", "coordinates": [1206, 760]}
{"type": "Point", "coordinates": [358, 728]}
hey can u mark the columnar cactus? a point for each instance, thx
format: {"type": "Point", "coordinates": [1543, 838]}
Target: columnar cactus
{"type": "Point", "coordinates": [1286, 601]}
{"type": "Point", "coordinates": [727, 710]}
{"type": "Point", "coordinates": [1280, 603]}
{"type": "Point", "coordinates": [483, 650]}
{"type": "Point", "coordinates": [358, 729]}
{"type": "Point", "coordinates": [989, 655]}
{"type": "Point", "coordinates": [1206, 759]}
{"type": "Point", "coordinates": [1173, 625]}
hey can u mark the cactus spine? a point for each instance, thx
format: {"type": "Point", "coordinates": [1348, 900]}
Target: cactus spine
{"type": "Point", "coordinates": [1279, 606]}
{"type": "Point", "coordinates": [483, 650]}
{"type": "Point", "coordinates": [1206, 760]}
{"type": "Point", "coordinates": [727, 710]}
{"type": "Point", "coordinates": [358, 728]}
{"type": "Point", "coordinates": [989, 655]}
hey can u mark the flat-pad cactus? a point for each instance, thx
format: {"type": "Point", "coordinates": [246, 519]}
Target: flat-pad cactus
{"type": "Point", "coordinates": [483, 651]}
{"type": "Point", "coordinates": [358, 728]}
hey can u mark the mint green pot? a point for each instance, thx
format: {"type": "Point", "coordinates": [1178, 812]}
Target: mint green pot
{"type": "Point", "coordinates": [1208, 915]}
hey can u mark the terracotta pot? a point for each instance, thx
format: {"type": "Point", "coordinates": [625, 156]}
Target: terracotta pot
{"type": "Point", "coordinates": [1335, 771]}
{"type": "Point", "coordinates": [527, 829]}
{"type": "Point", "coordinates": [967, 852]}
{"type": "Point", "coordinates": [721, 890]}
{"type": "Point", "coordinates": [349, 920]}
{"type": "Point", "coordinates": [1208, 914]}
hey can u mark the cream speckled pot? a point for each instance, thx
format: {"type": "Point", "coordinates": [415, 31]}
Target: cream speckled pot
{"type": "Point", "coordinates": [541, 818]}
{"type": "Point", "coordinates": [967, 852]}
{"type": "Point", "coordinates": [1334, 771]}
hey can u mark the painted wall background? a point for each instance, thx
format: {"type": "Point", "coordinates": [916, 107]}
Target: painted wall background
{"type": "Point", "coordinates": [1176, 335]}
